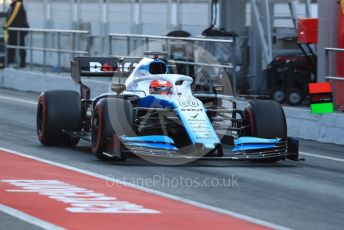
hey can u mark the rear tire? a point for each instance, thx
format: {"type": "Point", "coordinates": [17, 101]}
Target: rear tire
{"type": "Point", "coordinates": [111, 118]}
{"type": "Point", "coordinates": [58, 110]}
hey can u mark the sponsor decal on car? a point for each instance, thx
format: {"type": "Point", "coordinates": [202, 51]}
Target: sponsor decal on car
{"type": "Point", "coordinates": [188, 102]}
{"type": "Point", "coordinates": [196, 121]}
{"type": "Point", "coordinates": [97, 67]}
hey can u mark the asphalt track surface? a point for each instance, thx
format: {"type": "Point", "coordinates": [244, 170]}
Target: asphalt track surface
{"type": "Point", "coordinates": [298, 195]}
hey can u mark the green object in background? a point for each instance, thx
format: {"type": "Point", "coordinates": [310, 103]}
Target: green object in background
{"type": "Point", "coordinates": [322, 108]}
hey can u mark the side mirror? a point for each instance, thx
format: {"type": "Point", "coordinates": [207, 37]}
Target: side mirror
{"type": "Point", "coordinates": [118, 88]}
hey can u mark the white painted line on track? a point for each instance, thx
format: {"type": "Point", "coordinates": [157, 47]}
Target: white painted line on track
{"type": "Point", "coordinates": [322, 157]}
{"type": "Point", "coordinates": [162, 194]}
{"type": "Point", "coordinates": [18, 100]}
{"type": "Point", "coordinates": [28, 218]}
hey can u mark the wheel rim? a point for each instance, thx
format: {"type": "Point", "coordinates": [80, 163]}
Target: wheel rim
{"type": "Point", "coordinates": [251, 119]}
{"type": "Point", "coordinates": [278, 96]}
{"type": "Point", "coordinates": [295, 98]}
{"type": "Point", "coordinates": [95, 130]}
{"type": "Point", "coordinates": [41, 118]}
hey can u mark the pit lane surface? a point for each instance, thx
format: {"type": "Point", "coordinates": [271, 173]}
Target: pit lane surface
{"type": "Point", "coordinates": [300, 195]}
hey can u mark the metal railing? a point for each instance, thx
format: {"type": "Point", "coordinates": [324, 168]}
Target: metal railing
{"type": "Point", "coordinates": [168, 41]}
{"type": "Point", "coordinates": [327, 70]}
{"type": "Point", "coordinates": [52, 36]}
{"type": "Point", "coordinates": [327, 66]}
{"type": "Point", "coordinates": [74, 35]}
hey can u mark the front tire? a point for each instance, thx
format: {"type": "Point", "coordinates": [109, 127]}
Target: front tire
{"type": "Point", "coordinates": [58, 110]}
{"type": "Point", "coordinates": [112, 117]}
{"type": "Point", "coordinates": [266, 120]}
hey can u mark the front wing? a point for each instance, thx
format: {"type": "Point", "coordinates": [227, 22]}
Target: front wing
{"type": "Point", "coordinates": [164, 148]}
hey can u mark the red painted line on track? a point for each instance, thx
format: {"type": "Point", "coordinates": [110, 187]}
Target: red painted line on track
{"type": "Point", "coordinates": [172, 214]}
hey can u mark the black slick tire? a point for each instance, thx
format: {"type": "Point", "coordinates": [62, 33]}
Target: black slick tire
{"type": "Point", "coordinates": [58, 110]}
{"type": "Point", "coordinates": [112, 117]}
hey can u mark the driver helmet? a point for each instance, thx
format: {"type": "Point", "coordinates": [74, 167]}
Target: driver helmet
{"type": "Point", "coordinates": [160, 87]}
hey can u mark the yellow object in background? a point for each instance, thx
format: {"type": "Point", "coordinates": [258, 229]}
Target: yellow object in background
{"type": "Point", "coordinates": [9, 22]}
{"type": "Point", "coordinates": [13, 14]}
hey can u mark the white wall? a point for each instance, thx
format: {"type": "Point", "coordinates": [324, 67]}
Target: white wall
{"type": "Point", "coordinates": [158, 16]}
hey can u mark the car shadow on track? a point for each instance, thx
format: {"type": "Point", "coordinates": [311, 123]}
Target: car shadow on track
{"type": "Point", "coordinates": [137, 162]}
{"type": "Point", "coordinates": [205, 164]}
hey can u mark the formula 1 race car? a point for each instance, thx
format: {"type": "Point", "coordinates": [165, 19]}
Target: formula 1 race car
{"type": "Point", "coordinates": [155, 113]}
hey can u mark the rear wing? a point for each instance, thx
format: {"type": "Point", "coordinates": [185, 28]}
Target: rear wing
{"type": "Point", "coordinates": [100, 67]}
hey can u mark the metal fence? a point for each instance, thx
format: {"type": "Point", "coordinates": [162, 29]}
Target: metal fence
{"type": "Point", "coordinates": [49, 41]}
{"type": "Point", "coordinates": [146, 39]}
{"type": "Point", "coordinates": [327, 65]}
{"type": "Point", "coordinates": [55, 48]}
